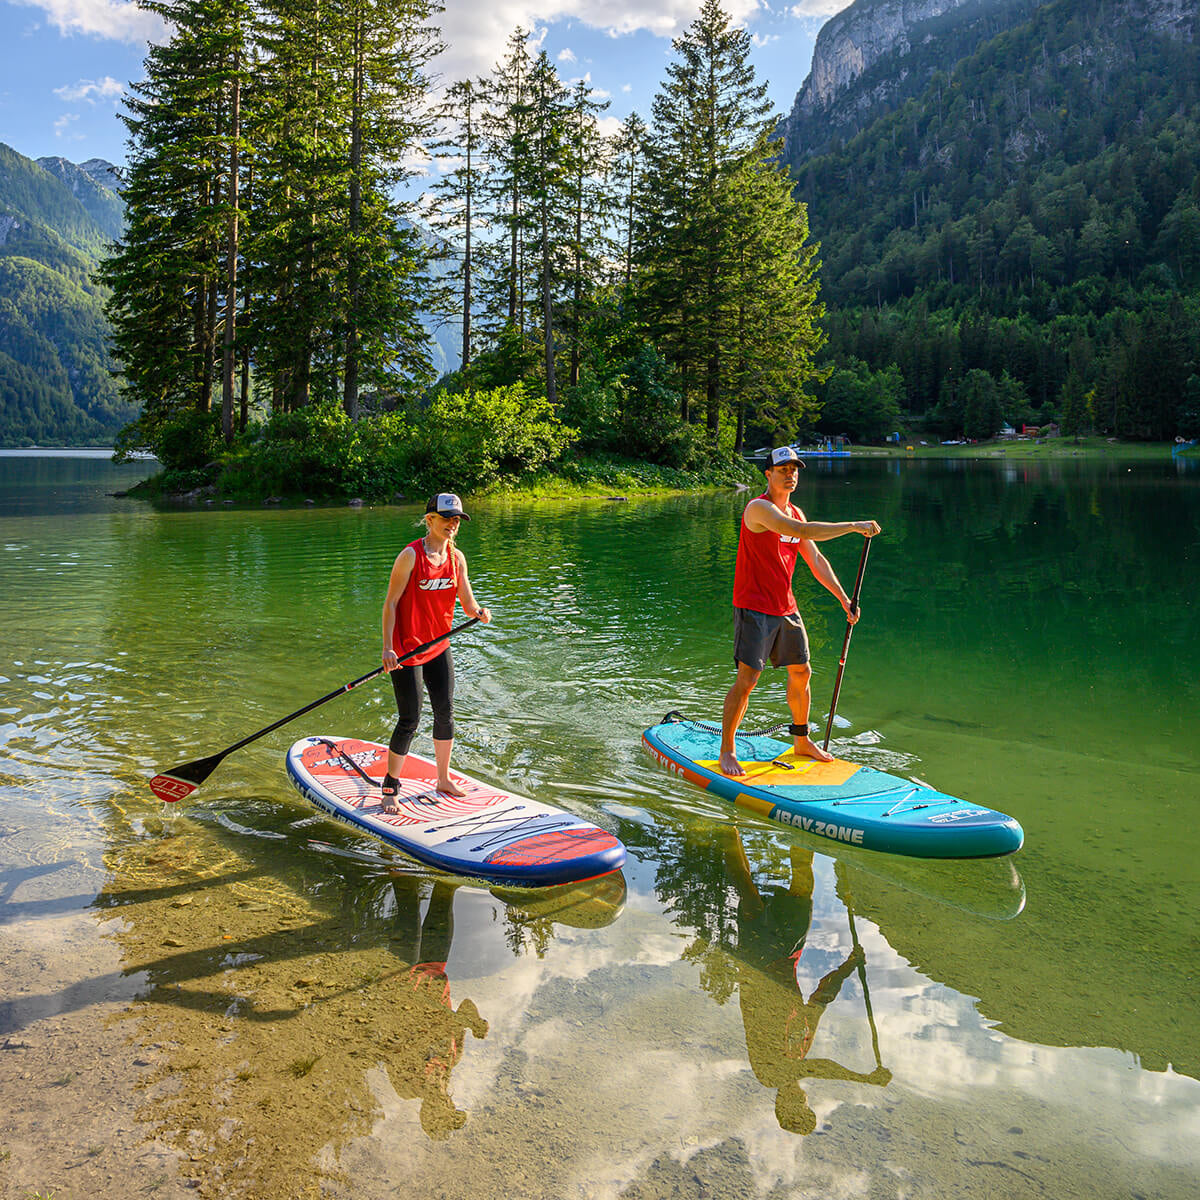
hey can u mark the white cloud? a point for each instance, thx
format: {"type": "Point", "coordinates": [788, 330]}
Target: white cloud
{"type": "Point", "coordinates": [62, 127]}
{"type": "Point", "coordinates": [806, 10]}
{"type": "Point", "coordinates": [115, 20]}
{"type": "Point", "coordinates": [475, 31]}
{"type": "Point", "coordinates": [567, 56]}
{"type": "Point", "coordinates": [91, 90]}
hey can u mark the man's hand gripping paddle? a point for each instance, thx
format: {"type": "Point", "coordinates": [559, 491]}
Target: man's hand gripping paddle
{"type": "Point", "coordinates": [837, 687]}
{"type": "Point", "coordinates": [182, 781]}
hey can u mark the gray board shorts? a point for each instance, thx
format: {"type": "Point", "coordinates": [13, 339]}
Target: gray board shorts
{"type": "Point", "coordinates": [758, 637]}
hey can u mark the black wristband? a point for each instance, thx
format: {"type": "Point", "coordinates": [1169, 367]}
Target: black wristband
{"type": "Point", "coordinates": [798, 730]}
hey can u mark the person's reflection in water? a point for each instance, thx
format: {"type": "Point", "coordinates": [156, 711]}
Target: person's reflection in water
{"type": "Point", "coordinates": [433, 1032]}
{"type": "Point", "coordinates": [780, 1024]}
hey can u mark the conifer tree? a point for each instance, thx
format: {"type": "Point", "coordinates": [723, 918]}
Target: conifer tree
{"type": "Point", "coordinates": [626, 169]}
{"type": "Point", "coordinates": [591, 202]}
{"type": "Point", "coordinates": [507, 148]}
{"type": "Point", "coordinates": [548, 179]}
{"type": "Point", "coordinates": [708, 182]}
{"type": "Point", "coordinates": [168, 270]}
{"type": "Point", "coordinates": [456, 198]}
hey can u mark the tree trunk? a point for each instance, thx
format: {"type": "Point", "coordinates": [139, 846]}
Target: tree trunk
{"type": "Point", "coordinates": [350, 376]}
{"type": "Point", "coordinates": [231, 258]}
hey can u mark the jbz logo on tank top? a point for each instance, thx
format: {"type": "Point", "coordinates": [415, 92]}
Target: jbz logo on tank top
{"type": "Point", "coordinates": [435, 585]}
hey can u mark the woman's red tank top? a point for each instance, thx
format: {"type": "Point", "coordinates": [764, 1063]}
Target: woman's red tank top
{"type": "Point", "coordinates": [426, 608]}
{"type": "Point", "coordinates": [762, 574]}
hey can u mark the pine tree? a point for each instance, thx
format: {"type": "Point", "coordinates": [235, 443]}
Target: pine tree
{"type": "Point", "coordinates": [591, 201]}
{"type": "Point", "coordinates": [176, 256]}
{"type": "Point", "coordinates": [547, 171]}
{"type": "Point", "coordinates": [456, 199]}
{"type": "Point", "coordinates": [709, 182]}
{"type": "Point", "coordinates": [627, 167]}
{"type": "Point", "coordinates": [507, 148]}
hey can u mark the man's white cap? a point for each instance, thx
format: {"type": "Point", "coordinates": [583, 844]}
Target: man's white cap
{"type": "Point", "coordinates": [785, 454]}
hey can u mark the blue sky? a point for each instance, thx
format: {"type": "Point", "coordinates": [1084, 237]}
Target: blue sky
{"type": "Point", "coordinates": [64, 64]}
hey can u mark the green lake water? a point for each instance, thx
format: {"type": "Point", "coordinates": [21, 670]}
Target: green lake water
{"type": "Point", "coordinates": [236, 997]}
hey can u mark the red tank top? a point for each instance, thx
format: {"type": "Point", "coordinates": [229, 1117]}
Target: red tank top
{"type": "Point", "coordinates": [762, 575]}
{"type": "Point", "coordinates": [426, 608]}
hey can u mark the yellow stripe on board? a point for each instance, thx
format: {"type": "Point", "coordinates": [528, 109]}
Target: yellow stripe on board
{"type": "Point", "coordinates": [756, 803]}
{"type": "Point", "coordinates": [806, 772]}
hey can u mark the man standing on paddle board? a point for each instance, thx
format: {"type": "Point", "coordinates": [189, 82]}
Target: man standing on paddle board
{"type": "Point", "coordinates": [766, 622]}
{"type": "Point", "coordinates": [428, 576]}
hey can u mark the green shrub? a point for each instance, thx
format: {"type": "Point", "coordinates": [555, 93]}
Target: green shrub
{"type": "Point", "coordinates": [472, 439]}
{"type": "Point", "coordinates": [188, 440]}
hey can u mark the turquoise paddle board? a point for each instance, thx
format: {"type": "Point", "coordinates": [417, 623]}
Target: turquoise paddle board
{"type": "Point", "coordinates": [838, 800]}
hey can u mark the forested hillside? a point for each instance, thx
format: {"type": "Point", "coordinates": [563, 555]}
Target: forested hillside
{"type": "Point", "coordinates": [1022, 239]}
{"type": "Point", "coordinates": [56, 383]}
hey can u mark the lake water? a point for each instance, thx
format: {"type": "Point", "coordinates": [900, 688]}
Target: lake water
{"type": "Point", "coordinates": [236, 997]}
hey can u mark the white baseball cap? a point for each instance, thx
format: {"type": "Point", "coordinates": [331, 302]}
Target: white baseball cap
{"type": "Point", "coordinates": [446, 504]}
{"type": "Point", "coordinates": [785, 454]}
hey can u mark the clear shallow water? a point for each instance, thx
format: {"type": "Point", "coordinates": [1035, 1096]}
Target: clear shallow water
{"type": "Point", "coordinates": [236, 997]}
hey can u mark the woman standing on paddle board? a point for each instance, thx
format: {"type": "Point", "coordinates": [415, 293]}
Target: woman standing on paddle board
{"type": "Point", "coordinates": [767, 625]}
{"type": "Point", "coordinates": [428, 576]}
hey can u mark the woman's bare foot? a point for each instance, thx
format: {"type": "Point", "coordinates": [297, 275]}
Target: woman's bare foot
{"type": "Point", "coordinates": [729, 765]}
{"type": "Point", "coordinates": [806, 748]}
{"type": "Point", "coordinates": [387, 799]}
{"type": "Point", "coordinates": [449, 788]}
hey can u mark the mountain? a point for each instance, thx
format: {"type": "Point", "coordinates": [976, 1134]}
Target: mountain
{"type": "Point", "coordinates": [1016, 208]}
{"type": "Point", "coordinates": [877, 53]}
{"type": "Point", "coordinates": [56, 382]}
{"type": "Point", "coordinates": [96, 185]}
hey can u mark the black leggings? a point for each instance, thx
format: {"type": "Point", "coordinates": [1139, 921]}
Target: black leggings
{"type": "Point", "coordinates": [438, 675]}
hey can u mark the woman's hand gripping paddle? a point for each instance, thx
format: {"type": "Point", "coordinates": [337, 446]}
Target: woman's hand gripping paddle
{"type": "Point", "coordinates": [182, 781]}
{"type": "Point", "coordinates": [837, 687]}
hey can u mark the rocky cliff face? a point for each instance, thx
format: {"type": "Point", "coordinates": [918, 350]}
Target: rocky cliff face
{"type": "Point", "coordinates": [878, 53]}
{"type": "Point", "coordinates": [905, 40]}
{"type": "Point", "coordinates": [854, 39]}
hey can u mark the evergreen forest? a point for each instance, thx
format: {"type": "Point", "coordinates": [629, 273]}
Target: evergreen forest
{"type": "Point", "coordinates": [56, 378]}
{"type": "Point", "coordinates": [650, 296]}
{"type": "Point", "coordinates": [1021, 240]}
{"type": "Point", "coordinates": [998, 222]}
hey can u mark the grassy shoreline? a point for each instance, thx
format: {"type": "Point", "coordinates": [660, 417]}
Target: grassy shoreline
{"type": "Point", "coordinates": [609, 478]}
{"type": "Point", "coordinates": [1095, 448]}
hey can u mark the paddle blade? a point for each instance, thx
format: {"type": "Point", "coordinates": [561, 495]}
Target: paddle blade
{"type": "Point", "coordinates": [180, 782]}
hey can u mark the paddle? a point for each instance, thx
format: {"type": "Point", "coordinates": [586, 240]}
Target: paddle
{"type": "Point", "coordinates": [182, 781]}
{"type": "Point", "coordinates": [837, 687]}
{"type": "Point", "coordinates": [862, 975]}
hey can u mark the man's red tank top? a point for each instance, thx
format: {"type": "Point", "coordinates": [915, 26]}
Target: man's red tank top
{"type": "Point", "coordinates": [426, 608]}
{"type": "Point", "coordinates": [762, 574]}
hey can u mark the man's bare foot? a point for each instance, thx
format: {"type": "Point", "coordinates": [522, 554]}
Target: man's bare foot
{"type": "Point", "coordinates": [449, 788]}
{"type": "Point", "coordinates": [806, 748]}
{"type": "Point", "coordinates": [729, 764]}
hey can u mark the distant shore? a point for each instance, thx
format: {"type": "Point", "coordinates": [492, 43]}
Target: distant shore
{"type": "Point", "coordinates": [1096, 448]}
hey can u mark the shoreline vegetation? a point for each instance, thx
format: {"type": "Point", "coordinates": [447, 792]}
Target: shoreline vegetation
{"type": "Point", "coordinates": [637, 310]}
{"type": "Point", "coordinates": [612, 477]}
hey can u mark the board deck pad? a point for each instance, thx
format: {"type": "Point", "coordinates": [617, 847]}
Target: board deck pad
{"type": "Point", "coordinates": [838, 800]}
{"type": "Point", "coordinates": [487, 833]}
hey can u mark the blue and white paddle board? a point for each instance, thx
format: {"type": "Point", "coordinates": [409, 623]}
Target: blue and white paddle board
{"type": "Point", "coordinates": [486, 833]}
{"type": "Point", "coordinates": [838, 800]}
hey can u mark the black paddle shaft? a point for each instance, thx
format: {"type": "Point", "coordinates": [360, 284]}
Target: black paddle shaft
{"type": "Point", "coordinates": [195, 773]}
{"type": "Point", "coordinates": [837, 687]}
